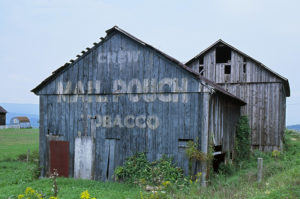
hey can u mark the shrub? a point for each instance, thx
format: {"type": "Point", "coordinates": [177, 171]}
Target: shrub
{"type": "Point", "coordinates": [226, 169]}
{"type": "Point", "coordinates": [138, 170]}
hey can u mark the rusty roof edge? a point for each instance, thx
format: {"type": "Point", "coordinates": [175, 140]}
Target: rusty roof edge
{"type": "Point", "coordinates": [244, 54]}
{"type": "Point", "coordinates": [22, 118]}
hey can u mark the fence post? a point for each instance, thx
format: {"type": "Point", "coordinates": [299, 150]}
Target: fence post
{"type": "Point", "coordinates": [28, 153]}
{"type": "Point", "coordinates": [260, 169]}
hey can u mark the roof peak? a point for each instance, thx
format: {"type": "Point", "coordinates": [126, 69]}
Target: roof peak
{"type": "Point", "coordinates": [2, 110]}
{"type": "Point", "coordinates": [245, 55]}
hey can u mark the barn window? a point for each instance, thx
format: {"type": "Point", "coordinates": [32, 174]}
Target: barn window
{"type": "Point", "coordinates": [183, 143]}
{"type": "Point", "coordinates": [201, 70]}
{"type": "Point", "coordinates": [223, 54]}
{"type": "Point", "coordinates": [227, 69]}
{"type": "Point", "coordinates": [201, 66]}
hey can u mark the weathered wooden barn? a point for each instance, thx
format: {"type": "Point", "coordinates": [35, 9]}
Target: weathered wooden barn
{"type": "Point", "coordinates": [123, 96]}
{"type": "Point", "coordinates": [22, 122]}
{"type": "Point", "coordinates": [2, 116]}
{"type": "Point", "coordinates": [264, 90]}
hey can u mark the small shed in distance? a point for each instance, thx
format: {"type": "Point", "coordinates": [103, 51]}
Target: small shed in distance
{"type": "Point", "coordinates": [2, 116]}
{"type": "Point", "coordinates": [23, 122]}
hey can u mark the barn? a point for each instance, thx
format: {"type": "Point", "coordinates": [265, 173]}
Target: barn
{"type": "Point", "coordinates": [22, 122]}
{"type": "Point", "coordinates": [264, 90]}
{"type": "Point", "coordinates": [2, 116]}
{"type": "Point", "coordinates": [123, 96]}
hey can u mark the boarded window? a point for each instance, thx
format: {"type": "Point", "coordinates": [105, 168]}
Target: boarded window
{"type": "Point", "coordinates": [227, 69]}
{"type": "Point", "coordinates": [223, 54]}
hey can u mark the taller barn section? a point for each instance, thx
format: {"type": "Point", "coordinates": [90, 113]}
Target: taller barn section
{"type": "Point", "coordinates": [122, 97]}
{"type": "Point", "coordinates": [264, 90]}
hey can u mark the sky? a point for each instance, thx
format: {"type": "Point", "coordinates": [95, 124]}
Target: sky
{"type": "Point", "coordinates": [38, 36]}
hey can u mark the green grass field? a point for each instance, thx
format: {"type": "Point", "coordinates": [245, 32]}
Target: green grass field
{"type": "Point", "coordinates": [14, 142]}
{"type": "Point", "coordinates": [281, 175]}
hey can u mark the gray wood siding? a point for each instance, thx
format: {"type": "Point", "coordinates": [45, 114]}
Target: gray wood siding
{"type": "Point", "coordinates": [266, 111]}
{"type": "Point", "coordinates": [223, 117]}
{"type": "Point", "coordinates": [263, 92]}
{"type": "Point", "coordinates": [129, 99]}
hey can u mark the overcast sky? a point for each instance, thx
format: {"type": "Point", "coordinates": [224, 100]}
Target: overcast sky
{"type": "Point", "coordinates": [38, 36]}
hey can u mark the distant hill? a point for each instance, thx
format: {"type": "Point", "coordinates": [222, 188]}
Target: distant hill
{"type": "Point", "coordinates": [29, 110]}
{"type": "Point", "coordinates": [294, 127]}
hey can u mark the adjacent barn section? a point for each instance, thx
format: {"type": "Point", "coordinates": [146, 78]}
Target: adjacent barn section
{"type": "Point", "coordinates": [124, 96]}
{"type": "Point", "coordinates": [21, 122]}
{"type": "Point", "coordinates": [2, 116]}
{"type": "Point", "coordinates": [264, 90]}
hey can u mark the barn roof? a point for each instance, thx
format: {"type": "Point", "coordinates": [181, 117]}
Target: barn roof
{"type": "Point", "coordinates": [220, 41]}
{"type": "Point", "coordinates": [119, 30]}
{"type": "Point", "coordinates": [2, 110]}
{"type": "Point", "coordinates": [22, 119]}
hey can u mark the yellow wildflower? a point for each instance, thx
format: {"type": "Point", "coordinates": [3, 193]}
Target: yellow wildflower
{"type": "Point", "coordinates": [275, 153]}
{"type": "Point", "coordinates": [199, 174]}
{"type": "Point", "coordinates": [29, 190]}
{"type": "Point", "coordinates": [39, 195]}
{"type": "Point", "coordinates": [85, 195]}
{"type": "Point", "coordinates": [20, 196]}
{"type": "Point", "coordinates": [53, 197]}
{"type": "Point", "coordinates": [166, 183]}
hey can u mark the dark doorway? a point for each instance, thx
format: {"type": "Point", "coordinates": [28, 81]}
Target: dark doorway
{"type": "Point", "coordinates": [219, 157]}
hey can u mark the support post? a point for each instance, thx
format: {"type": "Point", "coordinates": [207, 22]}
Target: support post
{"type": "Point", "coordinates": [204, 137]}
{"type": "Point", "coordinates": [260, 169]}
{"type": "Point", "coordinates": [28, 154]}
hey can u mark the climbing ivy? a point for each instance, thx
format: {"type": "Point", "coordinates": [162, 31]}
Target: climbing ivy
{"type": "Point", "coordinates": [242, 140]}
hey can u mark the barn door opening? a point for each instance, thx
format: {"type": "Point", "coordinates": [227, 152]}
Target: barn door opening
{"type": "Point", "coordinates": [111, 157]}
{"type": "Point", "coordinates": [59, 157]}
{"type": "Point", "coordinates": [219, 158]}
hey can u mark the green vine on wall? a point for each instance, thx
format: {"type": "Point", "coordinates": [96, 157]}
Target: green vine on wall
{"type": "Point", "coordinates": [195, 155]}
{"type": "Point", "coordinates": [242, 140]}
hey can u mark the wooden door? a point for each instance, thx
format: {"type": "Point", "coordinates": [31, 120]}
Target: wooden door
{"type": "Point", "coordinates": [59, 157]}
{"type": "Point", "coordinates": [110, 158]}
